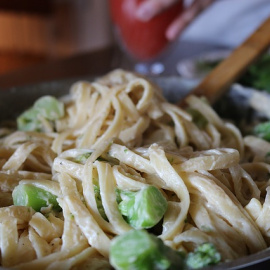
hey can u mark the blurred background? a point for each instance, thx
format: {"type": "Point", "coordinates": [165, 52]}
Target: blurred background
{"type": "Point", "coordinates": [33, 32]}
{"type": "Point", "coordinates": [38, 31]}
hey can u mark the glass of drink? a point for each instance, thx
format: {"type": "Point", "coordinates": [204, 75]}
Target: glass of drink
{"type": "Point", "coordinates": [143, 42]}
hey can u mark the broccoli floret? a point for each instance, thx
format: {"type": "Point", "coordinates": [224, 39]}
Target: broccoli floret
{"type": "Point", "coordinates": [29, 195]}
{"type": "Point", "coordinates": [199, 120]}
{"type": "Point", "coordinates": [140, 250]}
{"type": "Point", "coordinates": [82, 158]}
{"type": "Point", "coordinates": [258, 74]}
{"type": "Point", "coordinates": [99, 202]}
{"type": "Point", "coordinates": [47, 107]}
{"type": "Point", "coordinates": [204, 255]}
{"type": "Point", "coordinates": [143, 209]}
{"type": "Point", "coordinates": [263, 130]}
{"type": "Point", "coordinates": [28, 121]}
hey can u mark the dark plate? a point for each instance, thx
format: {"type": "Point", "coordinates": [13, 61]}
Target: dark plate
{"type": "Point", "coordinates": [238, 101]}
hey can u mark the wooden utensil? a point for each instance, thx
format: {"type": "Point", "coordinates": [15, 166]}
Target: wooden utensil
{"type": "Point", "coordinates": [229, 70]}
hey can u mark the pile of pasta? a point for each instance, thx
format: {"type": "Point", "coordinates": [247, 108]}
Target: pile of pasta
{"type": "Point", "coordinates": [215, 180]}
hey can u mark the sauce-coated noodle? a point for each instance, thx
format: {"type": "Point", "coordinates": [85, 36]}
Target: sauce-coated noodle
{"type": "Point", "coordinates": [214, 180]}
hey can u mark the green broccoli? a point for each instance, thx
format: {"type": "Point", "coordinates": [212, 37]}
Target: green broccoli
{"type": "Point", "coordinates": [47, 107]}
{"type": "Point", "coordinates": [28, 121]}
{"type": "Point", "coordinates": [99, 202]}
{"type": "Point", "coordinates": [199, 120]}
{"type": "Point", "coordinates": [32, 196]}
{"type": "Point", "coordinates": [258, 74]}
{"type": "Point", "coordinates": [204, 255]}
{"type": "Point", "coordinates": [144, 208]}
{"type": "Point", "coordinates": [263, 130]}
{"type": "Point", "coordinates": [82, 158]}
{"type": "Point", "coordinates": [140, 250]}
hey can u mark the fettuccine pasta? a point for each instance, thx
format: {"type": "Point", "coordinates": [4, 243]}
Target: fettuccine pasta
{"type": "Point", "coordinates": [215, 181]}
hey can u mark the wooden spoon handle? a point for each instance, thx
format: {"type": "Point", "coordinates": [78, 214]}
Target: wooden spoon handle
{"type": "Point", "coordinates": [230, 69]}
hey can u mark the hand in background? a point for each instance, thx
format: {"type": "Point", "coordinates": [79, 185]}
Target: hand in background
{"type": "Point", "coordinates": [150, 8]}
